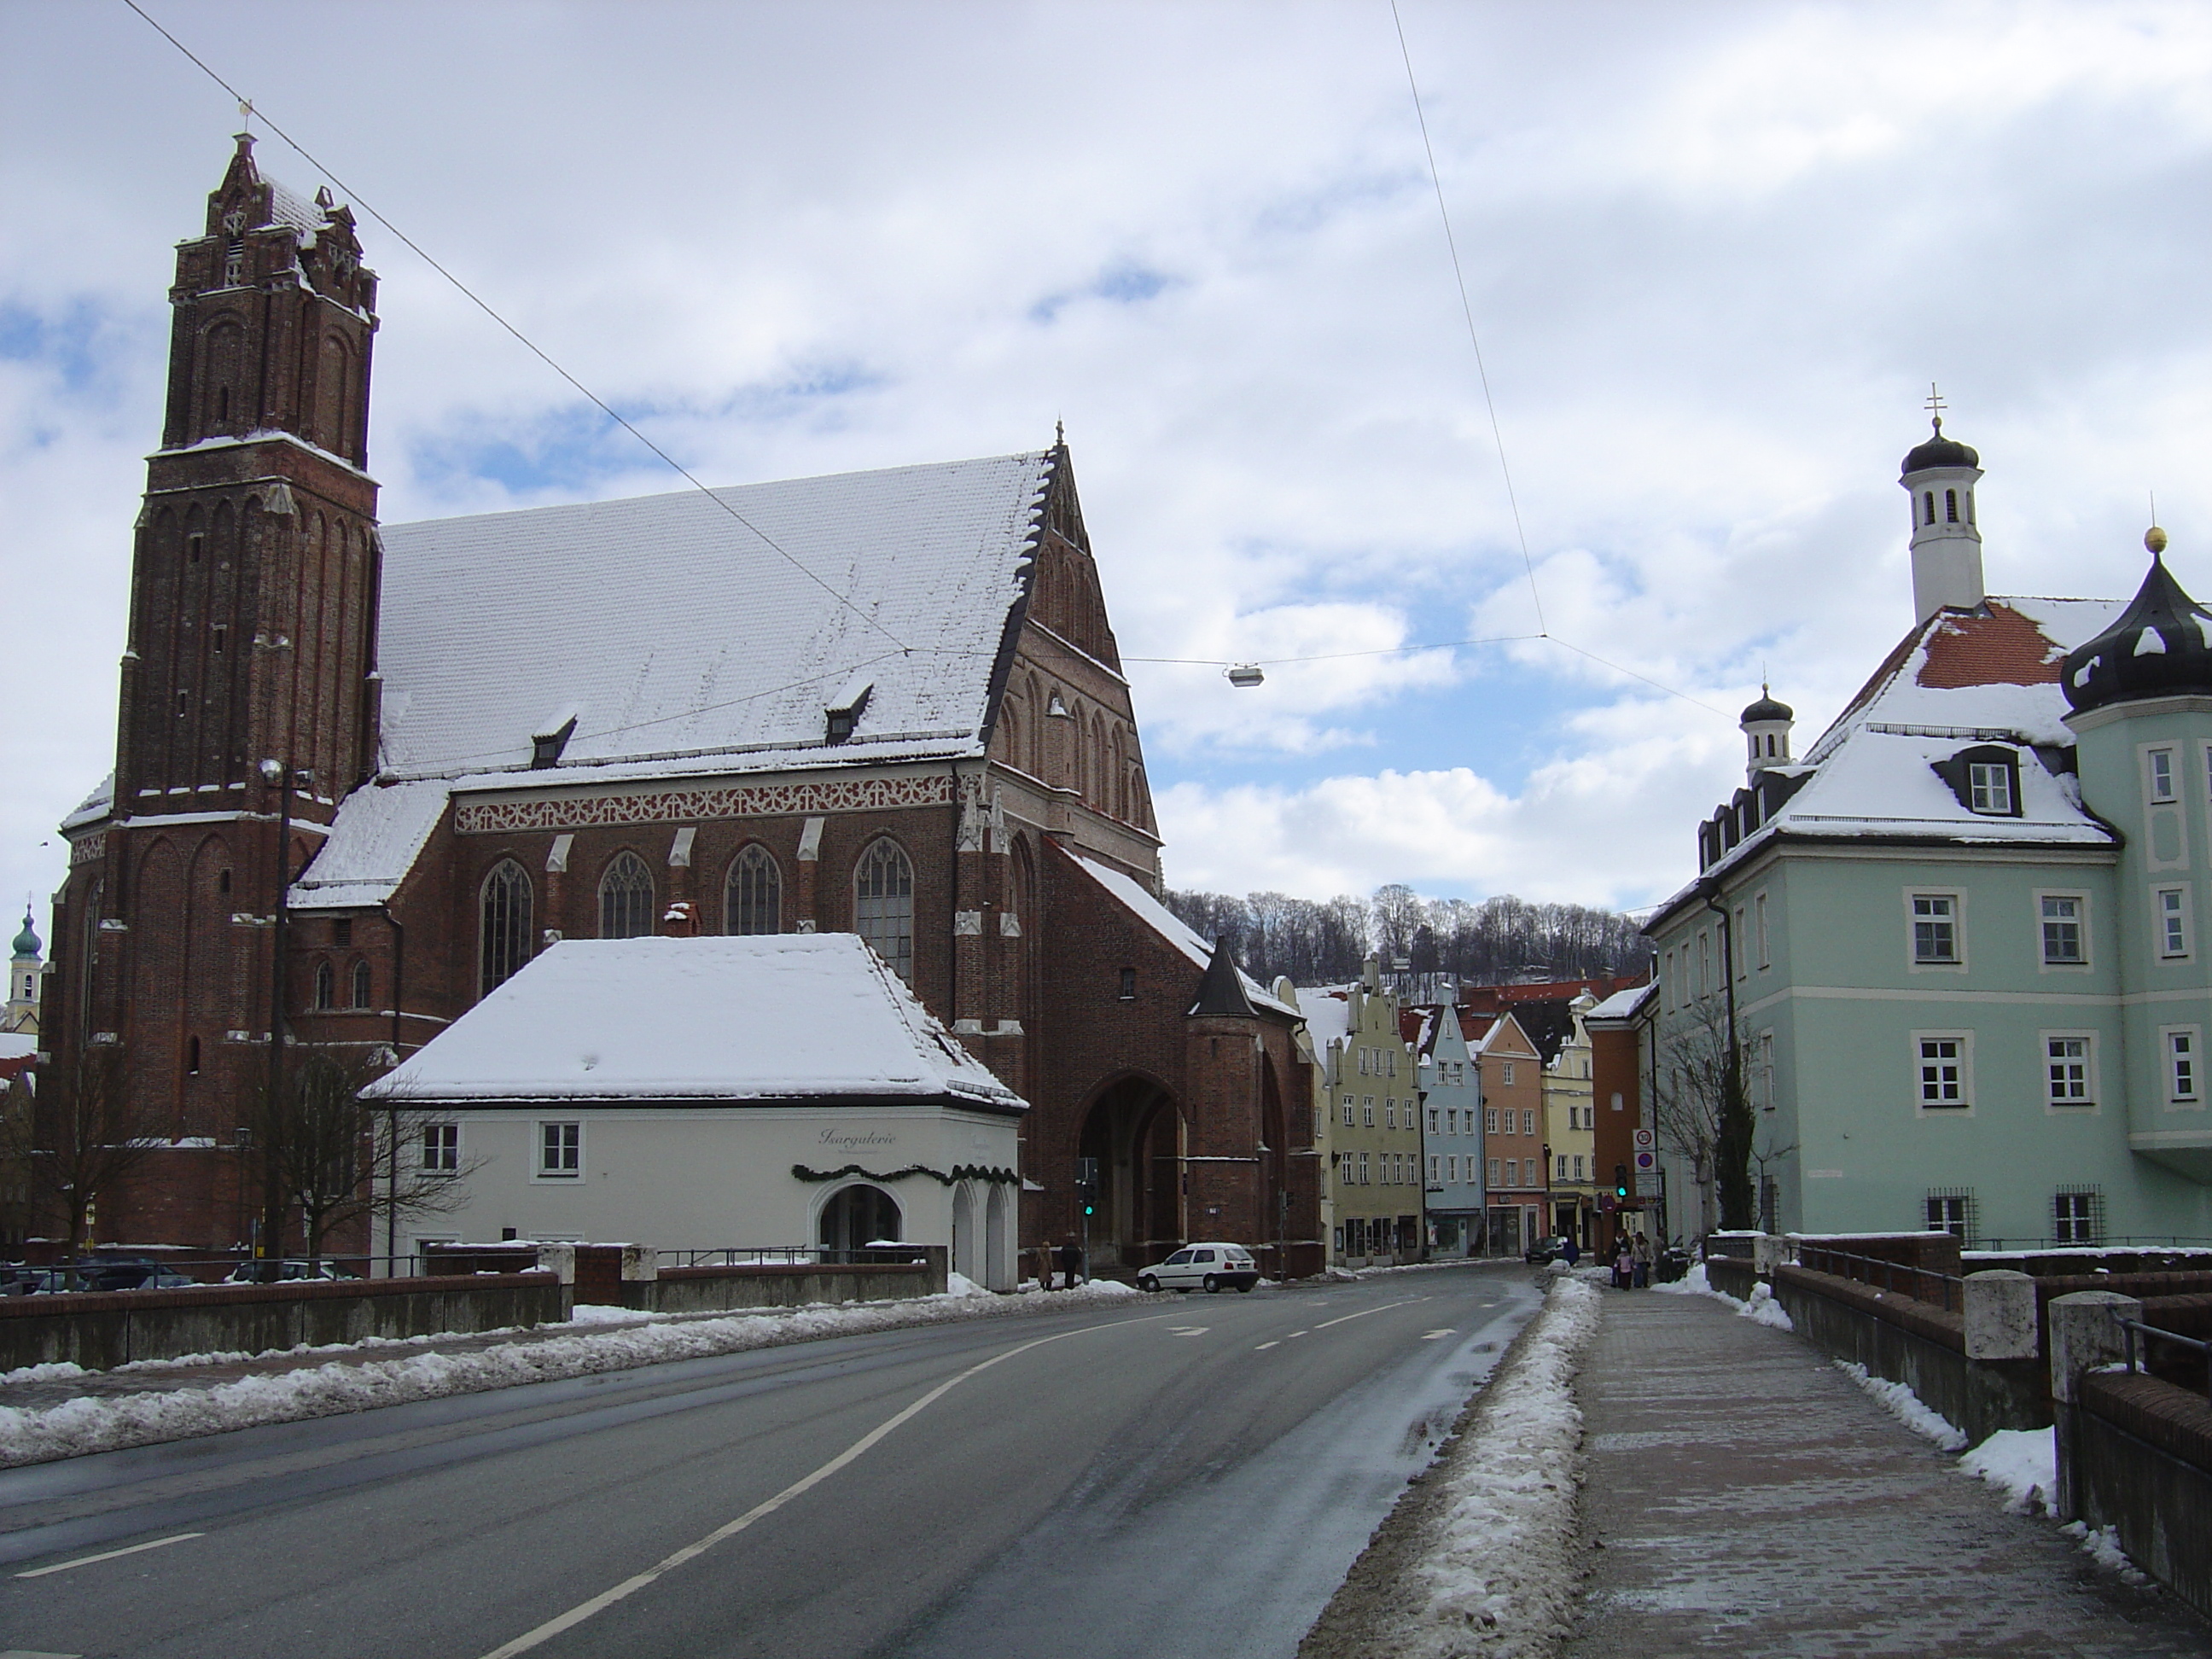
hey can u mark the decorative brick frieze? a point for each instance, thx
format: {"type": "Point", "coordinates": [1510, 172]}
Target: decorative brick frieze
{"type": "Point", "coordinates": [740, 801]}
{"type": "Point", "coordinates": [88, 849]}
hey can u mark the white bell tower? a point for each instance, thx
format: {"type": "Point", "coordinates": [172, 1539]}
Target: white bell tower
{"type": "Point", "coordinates": [1766, 726]}
{"type": "Point", "coordinates": [1939, 478]}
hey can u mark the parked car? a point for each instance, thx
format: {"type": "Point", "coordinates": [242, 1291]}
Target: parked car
{"type": "Point", "coordinates": [122, 1272]}
{"type": "Point", "coordinates": [275, 1271]}
{"type": "Point", "coordinates": [1543, 1250]}
{"type": "Point", "coordinates": [1202, 1267]}
{"type": "Point", "coordinates": [46, 1281]}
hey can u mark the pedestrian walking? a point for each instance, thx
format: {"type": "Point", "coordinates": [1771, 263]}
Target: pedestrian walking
{"type": "Point", "coordinates": [1070, 1264]}
{"type": "Point", "coordinates": [1044, 1267]}
{"type": "Point", "coordinates": [1624, 1265]}
{"type": "Point", "coordinates": [1642, 1281]}
{"type": "Point", "coordinates": [1571, 1250]}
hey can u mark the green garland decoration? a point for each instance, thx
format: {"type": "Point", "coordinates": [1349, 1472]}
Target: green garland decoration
{"type": "Point", "coordinates": [960, 1172]}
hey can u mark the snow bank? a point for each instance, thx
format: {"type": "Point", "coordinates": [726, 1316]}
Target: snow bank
{"type": "Point", "coordinates": [1905, 1407]}
{"type": "Point", "coordinates": [1761, 1310]}
{"type": "Point", "coordinates": [109, 1422]}
{"type": "Point", "coordinates": [1499, 1579]}
{"type": "Point", "coordinates": [2022, 1463]}
{"type": "Point", "coordinates": [2103, 1546]}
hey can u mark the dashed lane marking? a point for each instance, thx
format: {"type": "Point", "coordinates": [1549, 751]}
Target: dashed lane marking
{"type": "Point", "coordinates": [104, 1555]}
{"type": "Point", "coordinates": [26, 1653]}
{"type": "Point", "coordinates": [1431, 1336]}
{"type": "Point", "coordinates": [1294, 1334]}
{"type": "Point", "coordinates": [1189, 1330]}
{"type": "Point", "coordinates": [1264, 1347]}
{"type": "Point", "coordinates": [1407, 1303]}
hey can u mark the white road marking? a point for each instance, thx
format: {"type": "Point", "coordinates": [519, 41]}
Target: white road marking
{"type": "Point", "coordinates": [26, 1653]}
{"type": "Point", "coordinates": [1189, 1330]}
{"type": "Point", "coordinates": [105, 1555]}
{"type": "Point", "coordinates": [1264, 1347]}
{"type": "Point", "coordinates": [1432, 1335]}
{"type": "Point", "coordinates": [629, 1587]}
{"type": "Point", "coordinates": [1364, 1312]}
{"type": "Point", "coordinates": [1294, 1334]}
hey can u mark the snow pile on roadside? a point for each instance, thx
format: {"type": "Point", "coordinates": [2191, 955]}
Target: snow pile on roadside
{"type": "Point", "coordinates": [2022, 1463]}
{"type": "Point", "coordinates": [1761, 1310]}
{"type": "Point", "coordinates": [109, 1422]}
{"type": "Point", "coordinates": [1498, 1575]}
{"type": "Point", "coordinates": [1901, 1403]}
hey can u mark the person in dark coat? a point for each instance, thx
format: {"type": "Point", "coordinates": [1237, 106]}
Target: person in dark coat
{"type": "Point", "coordinates": [1070, 1265]}
{"type": "Point", "coordinates": [1572, 1251]}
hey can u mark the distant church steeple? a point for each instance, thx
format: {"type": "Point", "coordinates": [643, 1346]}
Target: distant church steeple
{"type": "Point", "coordinates": [1939, 476]}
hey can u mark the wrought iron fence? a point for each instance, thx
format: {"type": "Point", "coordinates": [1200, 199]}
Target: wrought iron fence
{"type": "Point", "coordinates": [1950, 1290]}
{"type": "Point", "coordinates": [2135, 1328]}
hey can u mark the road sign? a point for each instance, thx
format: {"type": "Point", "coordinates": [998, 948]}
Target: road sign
{"type": "Point", "coordinates": [1645, 1161]}
{"type": "Point", "coordinates": [1643, 1140]}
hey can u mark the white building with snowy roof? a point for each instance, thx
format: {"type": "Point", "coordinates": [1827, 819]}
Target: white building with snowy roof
{"type": "Point", "coordinates": [763, 1091]}
{"type": "Point", "coordinates": [1957, 949]}
{"type": "Point", "coordinates": [368, 773]}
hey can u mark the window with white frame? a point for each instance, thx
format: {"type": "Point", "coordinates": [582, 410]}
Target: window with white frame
{"type": "Point", "coordinates": [1952, 1211]}
{"type": "Point", "coordinates": [1390, 1111]}
{"type": "Point", "coordinates": [1762, 1071]}
{"type": "Point", "coordinates": [2159, 773]}
{"type": "Point", "coordinates": [1736, 947]}
{"type": "Point", "coordinates": [2062, 946]}
{"type": "Point", "coordinates": [1493, 1172]}
{"type": "Point", "coordinates": [1451, 1167]}
{"type": "Point", "coordinates": [1704, 963]}
{"type": "Point", "coordinates": [1513, 1172]}
{"type": "Point", "coordinates": [2181, 1044]}
{"type": "Point", "coordinates": [1436, 1169]}
{"type": "Point", "coordinates": [1578, 1167]}
{"type": "Point", "coordinates": [2067, 1071]}
{"type": "Point", "coordinates": [2077, 1216]}
{"type": "Point", "coordinates": [1988, 786]}
{"type": "Point", "coordinates": [1432, 1119]}
{"type": "Point", "coordinates": [561, 1151]}
{"type": "Point", "coordinates": [1944, 1059]}
{"type": "Point", "coordinates": [1563, 1166]}
{"type": "Point", "coordinates": [2170, 919]}
{"type": "Point", "coordinates": [1528, 1120]}
{"type": "Point", "coordinates": [1934, 928]}
{"type": "Point", "coordinates": [441, 1148]}
{"type": "Point", "coordinates": [1347, 1112]}
{"type": "Point", "coordinates": [1490, 1119]}
{"type": "Point", "coordinates": [1759, 914]}
{"type": "Point", "coordinates": [1367, 1110]}
{"type": "Point", "coordinates": [1508, 1078]}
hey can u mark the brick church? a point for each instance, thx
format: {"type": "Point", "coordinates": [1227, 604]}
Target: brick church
{"type": "Point", "coordinates": [363, 773]}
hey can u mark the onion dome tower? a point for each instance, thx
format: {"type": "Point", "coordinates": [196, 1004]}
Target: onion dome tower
{"type": "Point", "coordinates": [1766, 726]}
{"type": "Point", "coordinates": [23, 978]}
{"type": "Point", "coordinates": [1940, 475]}
{"type": "Point", "coordinates": [2161, 645]}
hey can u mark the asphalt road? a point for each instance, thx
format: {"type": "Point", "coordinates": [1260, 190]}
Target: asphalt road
{"type": "Point", "coordinates": [1189, 1474]}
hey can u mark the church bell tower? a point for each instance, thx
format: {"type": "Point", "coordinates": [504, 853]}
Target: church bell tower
{"type": "Point", "coordinates": [249, 694]}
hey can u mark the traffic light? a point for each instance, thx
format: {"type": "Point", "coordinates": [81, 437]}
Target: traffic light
{"type": "Point", "coordinates": [1620, 1181]}
{"type": "Point", "coordinates": [1089, 1208]}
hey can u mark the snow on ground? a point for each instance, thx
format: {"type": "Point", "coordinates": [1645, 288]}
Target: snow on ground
{"type": "Point", "coordinates": [1499, 1573]}
{"type": "Point", "coordinates": [2022, 1463]}
{"type": "Point", "coordinates": [1761, 1310]}
{"type": "Point", "coordinates": [1905, 1407]}
{"type": "Point", "coordinates": [2103, 1546]}
{"type": "Point", "coordinates": [109, 1422]}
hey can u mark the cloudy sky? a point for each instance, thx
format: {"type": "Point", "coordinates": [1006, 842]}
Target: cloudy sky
{"type": "Point", "coordinates": [1714, 254]}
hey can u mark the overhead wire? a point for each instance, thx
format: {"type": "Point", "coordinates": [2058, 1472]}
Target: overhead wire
{"type": "Point", "coordinates": [247, 105]}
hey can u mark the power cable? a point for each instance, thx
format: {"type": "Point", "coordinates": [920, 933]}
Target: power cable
{"type": "Point", "coordinates": [248, 107]}
{"type": "Point", "coordinates": [1467, 310]}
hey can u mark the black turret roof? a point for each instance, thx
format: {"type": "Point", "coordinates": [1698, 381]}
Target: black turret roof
{"type": "Point", "coordinates": [1766, 709]}
{"type": "Point", "coordinates": [2161, 645]}
{"type": "Point", "coordinates": [1939, 450]}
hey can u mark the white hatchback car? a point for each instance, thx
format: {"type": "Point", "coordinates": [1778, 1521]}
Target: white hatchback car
{"type": "Point", "coordinates": [1202, 1267]}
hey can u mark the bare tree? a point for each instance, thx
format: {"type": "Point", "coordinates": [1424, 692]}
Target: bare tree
{"type": "Point", "coordinates": [335, 1156]}
{"type": "Point", "coordinates": [1703, 1115]}
{"type": "Point", "coordinates": [79, 1142]}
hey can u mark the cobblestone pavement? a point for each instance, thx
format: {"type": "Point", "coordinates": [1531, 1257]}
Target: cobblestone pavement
{"type": "Point", "coordinates": [1745, 1496]}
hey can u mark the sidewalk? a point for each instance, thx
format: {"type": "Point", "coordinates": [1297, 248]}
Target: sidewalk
{"type": "Point", "coordinates": [1745, 1496]}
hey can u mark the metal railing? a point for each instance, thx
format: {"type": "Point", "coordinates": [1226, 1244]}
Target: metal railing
{"type": "Point", "coordinates": [787, 1255]}
{"type": "Point", "coordinates": [2132, 1328]}
{"type": "Point", "coordinates": [128, 1270]}
{"type": "Point", "coordinates": [2103, 1242]}
{"type": "Point", "coordinates": [1950, 1288]}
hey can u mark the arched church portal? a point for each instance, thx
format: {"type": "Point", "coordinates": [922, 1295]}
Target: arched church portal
{"type": "Point", "coordinates": [856, 1216]}
{"type": "Point", "coordinates": [1134, 1130]}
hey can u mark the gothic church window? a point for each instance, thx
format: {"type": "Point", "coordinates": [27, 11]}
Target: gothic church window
{"type": "Point", "coordinates": [753, 901]}
{"type": "Point", "coordinates": [626, 898]}
{"type": "Point", "coordinates": [326, 993]}
{"type": "Point", "coordinates": [504, 909]}
{"type": "Point", "coordinates": [363, 988]}
{"type": "Point", "coordinates": [882, 904]}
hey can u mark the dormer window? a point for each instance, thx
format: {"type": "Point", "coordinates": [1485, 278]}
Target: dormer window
{"type": "Point", "coordinates": [1986, 779]}
{"type": "Point", "coordinates": [545, 747]}
{"type": "Point", "coordinates": [842, 713]}
{"type": "Point", "coordinates": [1990, 784]}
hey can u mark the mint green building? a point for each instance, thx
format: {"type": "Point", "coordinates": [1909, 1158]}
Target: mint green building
{"type": "Point", "coordinates": [1965, 938]}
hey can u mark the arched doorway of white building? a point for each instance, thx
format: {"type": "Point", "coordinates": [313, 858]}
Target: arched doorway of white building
{"type": "Point", "coordinates": [854, 1217]}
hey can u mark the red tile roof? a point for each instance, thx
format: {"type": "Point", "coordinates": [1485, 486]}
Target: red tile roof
{"type": "Point", "coordinates": [1995, 645]}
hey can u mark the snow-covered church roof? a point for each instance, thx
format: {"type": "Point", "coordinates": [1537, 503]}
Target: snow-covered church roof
{"type": "Point", "coordinates": [777, 1016]}
{"type": "Point", "coordinates": [689, 634]}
